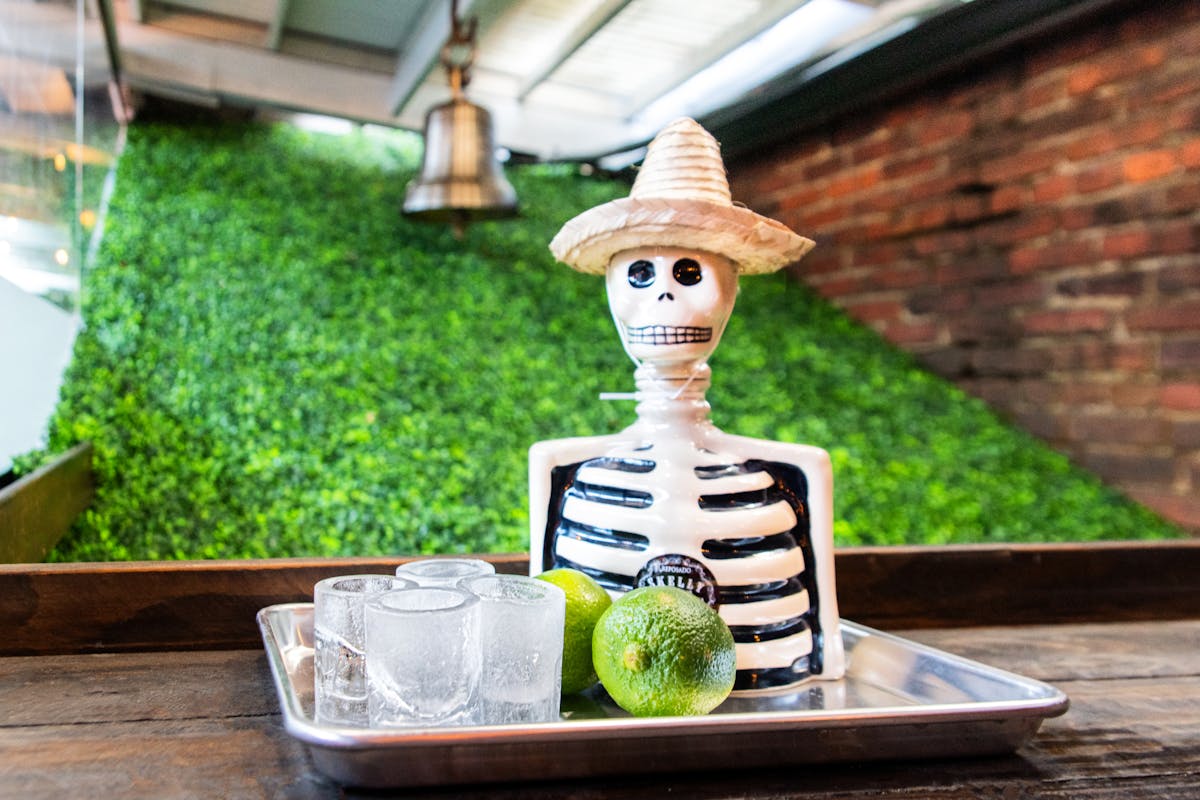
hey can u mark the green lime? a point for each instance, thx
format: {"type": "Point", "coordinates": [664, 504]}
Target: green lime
{"type": "Point", "coordinates": [661, 651]}
{"type": "Point", "coordinates": [586, 601]}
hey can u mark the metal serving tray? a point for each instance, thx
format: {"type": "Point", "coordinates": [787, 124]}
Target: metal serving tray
{"type": "Point", "coordinates": [899, 699]}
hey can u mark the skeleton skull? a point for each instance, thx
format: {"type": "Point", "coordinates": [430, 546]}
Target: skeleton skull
{"type": "Point", "coordinates": [670, 304]}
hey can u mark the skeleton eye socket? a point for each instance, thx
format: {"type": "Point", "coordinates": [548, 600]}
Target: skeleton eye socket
{"type": "Point", "coordinates": [641, 274]}
{"type": "Point", "coordinates": [687, 271]}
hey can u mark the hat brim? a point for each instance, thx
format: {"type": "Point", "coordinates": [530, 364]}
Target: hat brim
{"type": "Point", "coordinates": [756, 244]}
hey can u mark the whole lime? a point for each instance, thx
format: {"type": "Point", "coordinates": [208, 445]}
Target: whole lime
{"type": "Point", "coordinates": [661, 651]}
{"type": "Point", "coordinates": [586, 601]}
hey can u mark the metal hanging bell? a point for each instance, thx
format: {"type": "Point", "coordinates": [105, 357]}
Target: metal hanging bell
{"type": "Point", "coordinates": [460, 181]}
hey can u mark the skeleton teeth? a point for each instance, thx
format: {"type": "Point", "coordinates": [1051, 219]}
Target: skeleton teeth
{"type": "Point", "coordinates": [668, 334]}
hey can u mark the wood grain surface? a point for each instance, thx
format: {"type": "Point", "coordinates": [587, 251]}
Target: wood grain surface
{"type": "Point", "coordinates": [205, 724]}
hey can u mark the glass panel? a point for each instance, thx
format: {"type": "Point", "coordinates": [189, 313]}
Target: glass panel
{"type": "Point", "coordinates": [58, 138]}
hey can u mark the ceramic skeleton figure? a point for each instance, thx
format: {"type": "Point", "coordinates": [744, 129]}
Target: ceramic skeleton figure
{"type": "Point", "coordinates": [745, 524]}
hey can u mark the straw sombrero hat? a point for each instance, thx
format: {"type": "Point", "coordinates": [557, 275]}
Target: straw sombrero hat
{"type": "Point", "coordinates": [680, 199]}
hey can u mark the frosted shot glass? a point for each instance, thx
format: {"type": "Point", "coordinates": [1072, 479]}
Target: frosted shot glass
{"type": "Point", "coordinates": [522, 642]}
{"type": "Point", "coordinates": [443, 571]}
{"type": "Point", "coordinates": [339, 669]}
{"type": "Point", "coordinates": [423, 657]}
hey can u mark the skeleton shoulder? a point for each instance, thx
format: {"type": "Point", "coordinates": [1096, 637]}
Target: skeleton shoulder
{"type": "Point", "coordinates": [812, 459]}
{"type": "Point", "coordinates": [557, 452]}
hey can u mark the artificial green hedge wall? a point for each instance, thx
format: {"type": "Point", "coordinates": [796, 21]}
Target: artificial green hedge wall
{"type": "Point", "coordinates": [275, 364]}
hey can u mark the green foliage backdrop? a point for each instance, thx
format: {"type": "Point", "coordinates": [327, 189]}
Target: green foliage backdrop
{"type": "Point", "coordinates": [275, 363]}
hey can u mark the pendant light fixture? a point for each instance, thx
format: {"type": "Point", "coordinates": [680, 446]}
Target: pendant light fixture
{"type": "Point", "coordinates": [460, 181]}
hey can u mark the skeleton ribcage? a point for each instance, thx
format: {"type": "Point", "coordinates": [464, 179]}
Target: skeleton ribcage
{"type": "Point", "coordinates": [745, 522]}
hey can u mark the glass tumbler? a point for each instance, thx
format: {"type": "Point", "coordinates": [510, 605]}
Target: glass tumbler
{"type": "Point", "coordinates": [339, 671]}
{"type": "Point", "coordinates": [522, 642]}
{"type": "Point", "coordinates": [443, 571]}
{"type": "Point", "coordinates": [423, 657]}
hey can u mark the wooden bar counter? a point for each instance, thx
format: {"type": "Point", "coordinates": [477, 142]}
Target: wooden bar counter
{"type": "Point", "coordinates": [150, 680]}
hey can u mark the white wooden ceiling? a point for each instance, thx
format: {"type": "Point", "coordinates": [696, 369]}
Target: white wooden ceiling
{"type": "Point", "coordinates": [562, 78]}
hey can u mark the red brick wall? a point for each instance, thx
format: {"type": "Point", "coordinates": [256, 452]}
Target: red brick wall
{"type": "Point", "coordinates": [1030, 228]}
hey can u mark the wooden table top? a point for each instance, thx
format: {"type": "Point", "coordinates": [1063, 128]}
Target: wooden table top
{"type": "Point", "coordinates": [156, 720]}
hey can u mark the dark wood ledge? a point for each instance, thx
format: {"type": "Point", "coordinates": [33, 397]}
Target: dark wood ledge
{"type": "Point", "coordinates": [37, 510]}
{"type": "Point", "coordinates": [210, 605]}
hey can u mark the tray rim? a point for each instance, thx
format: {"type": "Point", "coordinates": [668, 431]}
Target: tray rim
{"type": "Point", "coordinates": [1045, 701]}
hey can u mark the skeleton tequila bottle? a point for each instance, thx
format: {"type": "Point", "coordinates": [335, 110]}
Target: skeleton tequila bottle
{"type": "Point", "coordinates": [743, 523]}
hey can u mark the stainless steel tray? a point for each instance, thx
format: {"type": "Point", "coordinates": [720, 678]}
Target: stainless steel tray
{"type": "Point", "coordinates": [899, 699]}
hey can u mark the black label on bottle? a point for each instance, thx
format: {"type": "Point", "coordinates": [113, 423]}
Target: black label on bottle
{"type": "Point", "coordinates": [681, 572]}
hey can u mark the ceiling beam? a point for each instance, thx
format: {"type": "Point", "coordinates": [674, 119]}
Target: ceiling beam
{"type": "Point", "coordinates": [211, 72]}
{"type": "Point", "coordinates": [259, 11]}
{"type": "Point", "coordinates": [768, 14]}
{"type": "Point", "coordinates": [420, 52]}
{"type": "Point", "coordinates": [45, 34]}
{"type": "Point", "coordinates": [275, 25]}
{"type": "Point", "coordinates": [570, 44]}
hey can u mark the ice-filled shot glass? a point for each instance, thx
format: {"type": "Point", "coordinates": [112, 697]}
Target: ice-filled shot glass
{"type": "Point", "coordinates": [423, 657]}
{"type": "Point", "coordinates": [443, 571]}
{"type": "Point", "coordinates": [522, 641]}
{"type": "Point", "coordinates": [339, 668]}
